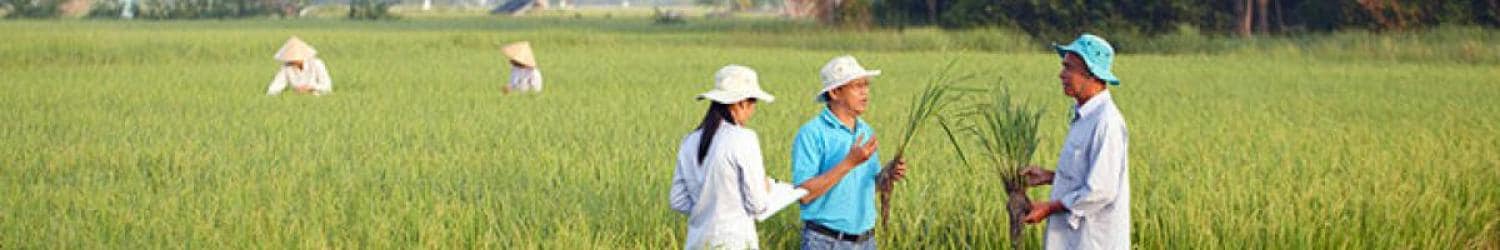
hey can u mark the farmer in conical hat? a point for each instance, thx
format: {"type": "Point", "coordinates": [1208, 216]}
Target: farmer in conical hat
{"type": "Point", "coordinates": [524, 74]}
{"type": "Point", "coordinates": [833, 157]}
{"type": "Point", "coordinates": [301, 70]}
{"type": "Point", "coordinates": [1090, 203]}
{"type": "Point", "coordinates": [720, 181]}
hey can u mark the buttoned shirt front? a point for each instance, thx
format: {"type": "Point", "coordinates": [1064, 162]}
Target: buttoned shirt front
{"type": "Point", "coordinates": [821, 143]}
{"type": "Point", "coordinates": [1092, 181]}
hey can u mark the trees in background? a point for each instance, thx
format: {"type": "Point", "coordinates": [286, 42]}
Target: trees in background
{"type": "Point", "coordinates": [188, 9]}
{"type": "Point", "coordinates": [370, 9]}
{"type": "Point", "coordinates": [1039, 18]}
{"type": "Point", "coordinates": [30, 8]}
{"type": "Point", "coordinates": [196, 9]}
{"type": "Point", "coordinates": [1050, 19]}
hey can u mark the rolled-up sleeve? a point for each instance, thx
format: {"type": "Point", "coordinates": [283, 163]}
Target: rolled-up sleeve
{"type": "Point", "coordinates": [1102, 185]}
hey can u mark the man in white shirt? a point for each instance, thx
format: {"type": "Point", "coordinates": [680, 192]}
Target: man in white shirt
{"type": "Point", "coordinates": [524, 74]}
{"type": "Point", "coordinates": [1090, 203]}
{"type": "Point", "coordinates": [301, 70]}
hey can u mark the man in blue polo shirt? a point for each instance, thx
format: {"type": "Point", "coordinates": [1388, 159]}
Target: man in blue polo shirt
{"type": "Point", "coordinates": [834, 158]}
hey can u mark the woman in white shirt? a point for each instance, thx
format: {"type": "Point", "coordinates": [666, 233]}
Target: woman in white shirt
{"type": "Point", "coordinates": [720, 181]}
{"type": "Point", "coordinates": [301, 70]}
{"type": "Point", "coordinates": [524, 74]}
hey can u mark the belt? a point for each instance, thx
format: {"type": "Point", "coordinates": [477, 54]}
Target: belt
{"type": "Point", "coordinates": [836, 234]}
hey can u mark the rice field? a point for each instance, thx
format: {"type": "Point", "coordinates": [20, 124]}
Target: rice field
{"type": "Point", "coordinates": [158, 135]}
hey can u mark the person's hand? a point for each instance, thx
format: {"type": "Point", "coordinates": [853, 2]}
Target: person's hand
{"type": "Point", "coordinates": [862, 150]}
{"type": "Point", "coordinates": [769, 182]}
{"type": "Point", "coordinates": [1040, 210]}
{"type": "Point", "coordinates": [304, 88]}
{"type": "Point", "coordinates": [1036, 176]}
{"type": "Point", "coordinates": [898, 173]}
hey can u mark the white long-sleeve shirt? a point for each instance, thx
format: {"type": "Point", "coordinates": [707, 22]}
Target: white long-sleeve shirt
{"type": "Point", "coordinates": [722, 195]}
{"type": "Point", "coordinates": [1093, 181]}
{"type": "Point", "coordinates": [687, 179]}
{"type": "Point", "coordinates": [525, 79]}
{"type": "Point", "coordinates": [312, 74]}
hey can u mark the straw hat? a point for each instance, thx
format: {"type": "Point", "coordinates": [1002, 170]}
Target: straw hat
{"type": "Point", "coordinates": [735, 83]}
{"type": "Point", "coordinates": [295, 50]}
{"type": "Point", "coordinates": [520, 52]}
{"type": "Point", "coordinates": [839, 71]}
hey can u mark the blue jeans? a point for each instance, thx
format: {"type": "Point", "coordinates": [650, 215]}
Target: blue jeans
{"type": "Point", "coordinates": [812, 240]}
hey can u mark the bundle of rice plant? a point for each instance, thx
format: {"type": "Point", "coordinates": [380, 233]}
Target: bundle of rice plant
{"type": "Point", "coordinates": [1005, 132]}
{"type": "Point", "coordinates": [930, 102]}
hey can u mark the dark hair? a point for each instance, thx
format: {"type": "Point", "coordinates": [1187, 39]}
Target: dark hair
{"type": "Point", "coordinates": [717, 112]}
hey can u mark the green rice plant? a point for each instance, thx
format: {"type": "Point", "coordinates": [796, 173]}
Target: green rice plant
{"type": "Point", "coordinates": [937, 96]}
{"type": "Point", "coordinates": [118, 138]}
{"type": "Point", "coordinates": [1006, 132]}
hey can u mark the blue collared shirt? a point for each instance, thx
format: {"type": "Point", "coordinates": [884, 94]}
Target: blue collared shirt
{"type": "Point", "coordinates": [849, 206]}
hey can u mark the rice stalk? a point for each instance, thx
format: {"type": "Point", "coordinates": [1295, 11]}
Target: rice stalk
{"type": "Point", "coordinates": [934, 98]}
{"type": "Point", "coordinates": [1006, 133]}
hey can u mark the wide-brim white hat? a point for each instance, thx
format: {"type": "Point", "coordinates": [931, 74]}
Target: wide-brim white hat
{"type": "Point", "coordinates": [839, 71]}
{"type": "Point", "coordinates": [295, 50]}
{"type": "Point", "coordinates": [520, 52]}
{"type": "Point", "coordinates": [735, 83]}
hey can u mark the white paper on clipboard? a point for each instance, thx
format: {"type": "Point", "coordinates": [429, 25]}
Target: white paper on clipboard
{"type": "Point", "coordinates": [782, 195]}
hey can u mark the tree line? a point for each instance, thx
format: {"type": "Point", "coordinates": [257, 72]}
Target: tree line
{"type": "Point", "coordinates": [186, 9]}
{"type": "Point", "coordinates": [1049, 18]}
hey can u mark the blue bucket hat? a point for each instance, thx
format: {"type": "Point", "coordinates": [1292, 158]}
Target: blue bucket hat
{"type": "Point", "coordinates": [1096, 53]}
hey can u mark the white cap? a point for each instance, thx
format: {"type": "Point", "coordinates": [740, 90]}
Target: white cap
{"type": "Point", "coordinates": [295, 50]}
{"type": "Point", "coordinates": [735, 83]}
{"type": "Point", "coordinates": [840, 71]}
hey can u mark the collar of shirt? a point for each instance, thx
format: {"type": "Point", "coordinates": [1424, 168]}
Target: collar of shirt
{"type": "Point", "coordinates": [1093, 104]}
{"type": "Point", "coordinates": [833, 121]}
{"type": "Point", "coordinates": [731, 126]}
{"type": "Point", "coordinates": [848, 206]}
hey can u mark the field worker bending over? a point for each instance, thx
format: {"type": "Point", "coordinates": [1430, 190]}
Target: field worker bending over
{"type": "Point", "coordinates": [301, 69]}
{"type": "Point", "coordinates": [720, 181]}
{"type": "Point", "coordinates": [833, 157]}
{"type": "Point", "coordinates": [524, 74]}
{"type": "Point", "coordinates": [1090, 201]}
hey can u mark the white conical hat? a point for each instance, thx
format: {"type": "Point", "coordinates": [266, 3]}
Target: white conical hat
{"type": "Point", "coordinates": [295, 50]}
{"type": "Point", "coordinates": [520, 52]}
